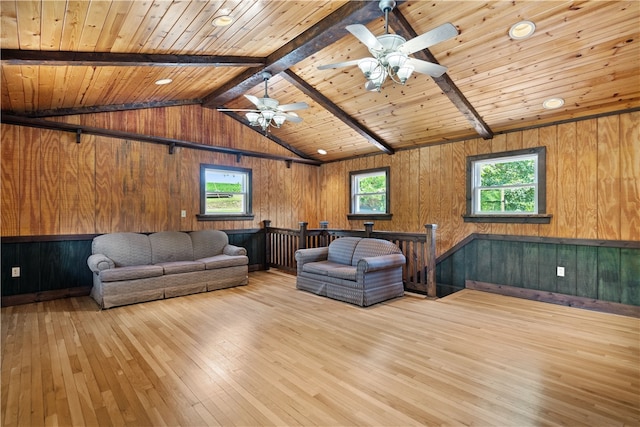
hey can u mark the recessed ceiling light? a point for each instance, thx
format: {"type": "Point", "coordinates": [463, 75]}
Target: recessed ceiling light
{"type": "Point", "coordinates": [321, 151]}
{"type": "Point", "coordinates": [222, 21]}
{"type": "Point", "coordinates": [553, 103]}
{"type": "Point", "coordinates": [522, 30]}
{"type": "Point", "coordinates": [163, 81]}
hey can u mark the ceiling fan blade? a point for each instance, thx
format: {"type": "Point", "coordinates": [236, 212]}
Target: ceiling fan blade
{"type": "Point", "coordinates": [339, 64]}
{"type": "Point", "coordinates": [294, 106]}
{"type": "Point", "coordinates": [238, 109]}
{"type": "Point", "coordinates": [437, 35]}
{"type": "Point", "coordinates": [255, 100]}
{"type": "Point", "coordinates": [363, 34]}
{"type": "Point", "coordinates": [429, 68]}
{"type": "Point", "coordinates": [292, 118]}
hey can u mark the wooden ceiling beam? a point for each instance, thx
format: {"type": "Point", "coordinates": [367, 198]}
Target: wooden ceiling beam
{"type": "Point", "coordinates": [316, 38]}
{"type": "Point", "coordinates": [39, 57]}
{"type": "Point", "coordinates": [104, 108]}
{"type": "Point", "coordinates": [398, 22]}
{"type": "Point", "coordinates": [326, 103]}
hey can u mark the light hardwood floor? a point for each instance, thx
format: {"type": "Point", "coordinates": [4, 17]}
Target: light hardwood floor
{"type": "Point", "coordinates": [267, 354]}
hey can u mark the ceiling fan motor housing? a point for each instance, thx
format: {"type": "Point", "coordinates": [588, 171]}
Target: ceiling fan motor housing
{"type": "Point", "coordinates": [390, 43]}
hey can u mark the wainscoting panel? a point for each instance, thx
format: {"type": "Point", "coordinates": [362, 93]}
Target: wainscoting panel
{"type": "Point", "coordinates": [58, 267]}
{"type": "Point", "coordinates": [592, 269]}
{"type": "Point", "coordinates": [45, 266]}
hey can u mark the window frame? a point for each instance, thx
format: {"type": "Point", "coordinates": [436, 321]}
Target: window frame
{"type": "Point", "coordinates": [541, 217]}
{"type": "Point", "coordinates": [247, 215]}
{"type": "Point", "coordinates": [353, 175]}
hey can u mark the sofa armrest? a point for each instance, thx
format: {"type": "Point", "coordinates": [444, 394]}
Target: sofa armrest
{"type": "Point", "coordinates": [234, 250]}
{"type": "Point", "coordinates": [311, 255]}
{"type": "Point", "coordinates": [99, 262]}
{"type": "Point", "coordinates": [381, 262]}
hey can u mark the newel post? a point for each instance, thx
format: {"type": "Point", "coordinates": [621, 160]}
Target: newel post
{"type": "Point", "coordinates": [302, 244]}
{"type": "Point", "coordinates": [431, 259]}
{"type": "Point", "coordinates": [368, 229]}
{"type": "Point", "coordinates": [267, 243]}
{"type": "Point", "coordinates": [324, 233]}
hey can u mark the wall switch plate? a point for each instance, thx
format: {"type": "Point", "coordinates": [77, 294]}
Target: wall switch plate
{"type": "Point", "coordinates": [560, 271]}
{"type": "Point", "coordinates": [15, 271]}
{"type": "Point", "coordinates": [183, 214]}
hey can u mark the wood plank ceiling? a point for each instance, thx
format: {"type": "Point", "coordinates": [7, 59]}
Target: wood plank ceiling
{"type": "Point", "coordinates": [64, 57]}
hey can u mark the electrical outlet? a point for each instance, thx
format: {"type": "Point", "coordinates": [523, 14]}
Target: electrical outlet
{"type": "Point", "coordinates": [15, 271]}
{"type": "Point", "coordinates": [183, 214]}
{"type": "Point", "coordinates": [560, 271]}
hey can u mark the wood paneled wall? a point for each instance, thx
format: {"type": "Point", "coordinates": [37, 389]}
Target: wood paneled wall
{"type": "Point", "coordinates": [53, 186]}
{"type": "Point", "coordinates": [593, 183]}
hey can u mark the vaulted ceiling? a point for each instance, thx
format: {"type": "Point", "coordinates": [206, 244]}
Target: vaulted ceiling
{"type": "Point", "coordinates": [74, 57]}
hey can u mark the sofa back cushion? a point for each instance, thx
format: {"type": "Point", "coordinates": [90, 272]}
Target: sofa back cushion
{"type": "Point", "coordinates": [373, 247]}
{"type": "Point", "coordinates": [341, 250]}
{"type": "Point", "coordinates": [170, 246]}
{"type": "Point", "coordinates": [125, 249]}
{"type": "Point", "coordinates": [208, 243]}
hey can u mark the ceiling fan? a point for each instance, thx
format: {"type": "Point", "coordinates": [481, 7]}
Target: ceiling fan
{"type": "Point", "coordinates": [268, 111]}
{"type": "Point", "coordinates": [391, 52]}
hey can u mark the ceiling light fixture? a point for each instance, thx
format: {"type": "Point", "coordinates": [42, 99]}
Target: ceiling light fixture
{"type": "Point", "coordinates": [163, 82]}
{"type": "Point", "coordinates": [222, 21]}
{"type": "Point", "coordinates": [387, 62]}
{"type": "Point", "coordinates": [553, 103]}
{"type": "Point", "coordinates": [269, 112]}
{"type": "Point", "coordinates": [522, 30]}
{"type": "Point", "coordinates": [391, 52]}
{"type": "Point", "coordinates": [321, 151]}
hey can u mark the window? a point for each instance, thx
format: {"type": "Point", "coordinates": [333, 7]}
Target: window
{"type": "Point", "coordinates": [225, 193]}
{"type": "Point", "coordinates": [370, 194]}
{"type": "Point", "coordinates": [507, 187]}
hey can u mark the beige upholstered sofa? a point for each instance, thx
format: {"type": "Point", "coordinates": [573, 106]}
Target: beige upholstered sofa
{"type": "Point", "coordinates": [131, 267]}
{"type": "Point", "coordinates": [360, 271]}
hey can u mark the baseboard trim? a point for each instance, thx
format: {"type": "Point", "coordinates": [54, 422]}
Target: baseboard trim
{"type": "Point", "coordinates": [556, 298]}
{"type": "Point", "coordinates": [45, 296]}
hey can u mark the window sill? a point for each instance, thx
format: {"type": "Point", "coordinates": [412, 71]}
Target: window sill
{"type": "Point", "coordinates": [379, 217]}
{"type": "Point", "coordinates": [240, 217]}
{"type": "Point", "coordinates": [513, 219]}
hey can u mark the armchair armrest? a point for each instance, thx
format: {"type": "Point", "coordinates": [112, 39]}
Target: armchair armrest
{"type": "Point", "coordinates": [234, 250]}
{"type": "Point", "coordinates": [381, 262]}
{"type": "Point", "coordinates": [311, 255]}
{"type": "Point", "coordinates": [99, 262]}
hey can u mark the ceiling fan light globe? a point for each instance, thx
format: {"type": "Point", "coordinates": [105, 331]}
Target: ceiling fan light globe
{"type": "Point", "coordinates": [268, 114]}
{"type": "Point", "coordinates": [404, 73]}
{"type": "Point", "coordinates": [396, 60]}
{"type": "Point", "coordinates": [367, 66]}
{"type": "Point", "coordinates": [379, 74]}
{"type": "Point", "coordinates": [279, 120]}
{"type": "Point", "coordinates": [253, 118]}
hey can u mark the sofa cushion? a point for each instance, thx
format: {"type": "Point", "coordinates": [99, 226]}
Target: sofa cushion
{"type": "Point", "coordinates": [373, 247]}
{"type": "Point", "coordinates": [131, 273]}
{"type": "Point", "coordinates": [125, 249]}
{"type": "Point", "coordinates": [208, 243]}
{"type": "Point", "coordinates": [176, 267]}
{"type": "Point", "coordinates": [170, 246]}
{"type": "Point", "coordinates": [320, 267]}
{"type": "Point", "coordinates": [344, 272]}
{"type": "Point", "coordinates": [220, 261]}
{"type": "Point", "coordinates": [341, 250]}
